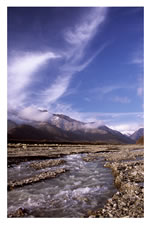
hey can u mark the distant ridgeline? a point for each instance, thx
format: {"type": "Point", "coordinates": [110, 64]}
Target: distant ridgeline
{"type": "Point", "coordinates": [63, 129]}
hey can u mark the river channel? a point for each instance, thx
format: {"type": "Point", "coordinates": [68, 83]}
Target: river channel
{"type": "Point", "coordinates": [85, 186]}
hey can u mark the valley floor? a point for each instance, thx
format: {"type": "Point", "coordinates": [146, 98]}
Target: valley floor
{"type": "Point", "coordinates": [125, 161]}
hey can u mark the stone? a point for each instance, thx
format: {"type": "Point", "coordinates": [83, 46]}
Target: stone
{"type": "Point", "coordinates": [36, 178]}
{"type": "Point", "coordinates": [18, 213]}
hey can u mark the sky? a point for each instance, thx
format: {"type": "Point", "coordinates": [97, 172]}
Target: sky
{"type": "Point", "coordinates": [84, 62]}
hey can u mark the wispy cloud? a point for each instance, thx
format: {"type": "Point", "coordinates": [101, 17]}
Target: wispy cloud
{"type": "Point", "coordinates": [33, 114]}
{"type": "Point", "coordinates": [119, 99]}
{"type": "Point", "coordinates": [77, 63]}
{"type": "Point", "coordinates": [93, 125]}
{"type": "Point", "coordinates": [82, 33]}
{"type": "Point", "coordinates": [77, 37]}
{"type": "Point", "coordinates": [106, 89]}
{"type": "Point", "coordinates": [21, 71]}
{"type": "Point", "coordinates": [61, 84]}
{"type": "Point", "coordinates": [23, 68]}
{"type": "Point", "coordinates": [138, 58]}
{"type": "Point", "coordinates": [56, 90]}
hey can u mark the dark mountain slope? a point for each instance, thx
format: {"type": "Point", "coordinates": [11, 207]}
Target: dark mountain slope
{"type": "Point", "coordinates": [11, 124]}
{"type": "Point", "coordinates": [137, 134]}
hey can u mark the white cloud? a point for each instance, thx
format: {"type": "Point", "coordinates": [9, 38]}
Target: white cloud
{"type": "Point", "coordinates": [93, 125]}
{"type": "Point", "coordinates": [22, 70]}
{"type": "Point", "coordinates": [83, 32]}
{"type": "Point", "coordinates": [77, 38]}
{"type": "Point", "coordinates": [56, 90]}
{"type": "Point", "coordinates": [33, 114]}
{"type": "Point", "coordinates": [74, 65]}
{"type": "Point", "coordinates": [20, 74]}
{"type": "Point", "coordinates": [80, 35]}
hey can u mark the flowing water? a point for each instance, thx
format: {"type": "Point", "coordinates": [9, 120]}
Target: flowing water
{"type": "Point", "coordinates": [86, 186]}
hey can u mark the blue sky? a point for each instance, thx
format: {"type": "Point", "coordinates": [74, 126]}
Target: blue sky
{"type": "Point", "coordinates": [84, 62]}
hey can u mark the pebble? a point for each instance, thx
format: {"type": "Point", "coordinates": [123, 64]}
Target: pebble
{"type": "Point", "coordinates": [128, 201]}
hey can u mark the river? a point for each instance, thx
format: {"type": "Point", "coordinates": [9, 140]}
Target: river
{"type": "Point", "coordinates": [85, 186]}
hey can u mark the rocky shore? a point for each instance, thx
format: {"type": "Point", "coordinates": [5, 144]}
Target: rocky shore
{"type": "Point", "coordinates": [128, 201]}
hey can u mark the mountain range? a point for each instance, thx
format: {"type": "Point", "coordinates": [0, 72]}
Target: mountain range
{"type": "Point", "coordinates": [61, 128]}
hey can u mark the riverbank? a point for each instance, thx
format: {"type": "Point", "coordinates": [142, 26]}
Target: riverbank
{"type": "Point", "coordinates": [128, 172]}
